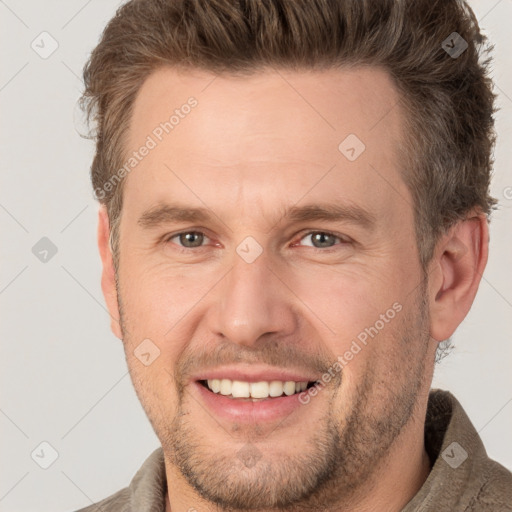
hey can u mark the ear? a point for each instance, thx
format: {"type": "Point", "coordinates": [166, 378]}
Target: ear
{"type": "Point", "coordinates": [455, 273]}
{"type": "Point", "coordinates": [108, 283]}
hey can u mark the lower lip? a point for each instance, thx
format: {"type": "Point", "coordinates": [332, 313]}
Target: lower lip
{"type": "Point", "coordinates": [243, 410]}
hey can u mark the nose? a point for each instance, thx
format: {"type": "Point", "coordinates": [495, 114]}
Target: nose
{"type": "Point", "coordinates": [252, 301]}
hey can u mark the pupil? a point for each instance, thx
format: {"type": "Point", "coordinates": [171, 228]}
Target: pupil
{"type": "Point", "coordinates": [320, 237]}
{"type": "Point", "coordinates": [187, 239]}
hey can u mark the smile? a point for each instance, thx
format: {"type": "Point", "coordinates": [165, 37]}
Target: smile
{"type": "Point", "coordinates": [255, 390]}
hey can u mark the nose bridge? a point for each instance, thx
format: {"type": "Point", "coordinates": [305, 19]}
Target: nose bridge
{"type": "Point", "coordinates": [252, 301]}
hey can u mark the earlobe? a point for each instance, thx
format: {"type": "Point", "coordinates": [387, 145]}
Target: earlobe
{"type": "Point", "coordinates": [461, 257]}
{"type": "Point", "coordinates": [108, 283]}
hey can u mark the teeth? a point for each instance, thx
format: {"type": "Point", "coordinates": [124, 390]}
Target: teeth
{"type": "Point", "coordinates": [214, 385]}
{"type": "Point", "coordinates": [240, 389]}
{"type": "Point", "coordinates": [259, 389]}
{"type": "Point", "coordinates": [289, 388]}
{"type": "Point", "coordinates": [225, 387]}
{"type": "Point", "coordinates": [275, 388]}
{"type": "Point", "coordinates": [263, 389]}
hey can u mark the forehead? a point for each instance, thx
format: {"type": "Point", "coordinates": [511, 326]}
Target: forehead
{"type": "Point", "coordinates": [277, 131]}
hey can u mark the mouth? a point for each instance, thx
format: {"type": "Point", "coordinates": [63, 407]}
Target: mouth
{"type": "Point", "coordinates": [255, 401]}
{"type": "Point", "coordinates": [255, 391]}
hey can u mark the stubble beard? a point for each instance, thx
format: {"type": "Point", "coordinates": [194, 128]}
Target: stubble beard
{"type": "Point", "coordinates": [343, 453]}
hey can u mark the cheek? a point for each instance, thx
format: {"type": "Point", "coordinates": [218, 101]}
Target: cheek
{"type": "Point", "coordinates": [347, 300]}
{"type": "Point", "coordinates": [161, 309]}
{"type": "Point", "coordinates": [156, 390]}
{"type": "Point", "coordinates": [358, 318]}
{"type": "Point", "coordinates": [155, 299]}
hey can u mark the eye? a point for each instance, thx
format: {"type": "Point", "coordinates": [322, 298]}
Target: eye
{"type": "Point", "coordinates": [188, 239]}
{"type": "Point", "coordinates": [323, 239]}
{"type": "Point", "coordinates": [318, 239]}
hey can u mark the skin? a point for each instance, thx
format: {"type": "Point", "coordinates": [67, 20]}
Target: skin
{"type": "Point", "coordinates": [252, 147]}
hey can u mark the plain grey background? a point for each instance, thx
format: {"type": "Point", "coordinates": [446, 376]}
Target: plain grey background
{"type": "Point", "coordinates": [64, 378]}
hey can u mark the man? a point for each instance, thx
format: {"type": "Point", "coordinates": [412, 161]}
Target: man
{"type": "Point", "coordinates": [294, 218]}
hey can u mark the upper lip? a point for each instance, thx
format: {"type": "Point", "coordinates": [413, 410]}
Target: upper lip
{"type": "Point", "coordinates": [254, 373]}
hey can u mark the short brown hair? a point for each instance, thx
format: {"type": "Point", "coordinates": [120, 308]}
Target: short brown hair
{"type": "Point", "coordinates": [446, 157]}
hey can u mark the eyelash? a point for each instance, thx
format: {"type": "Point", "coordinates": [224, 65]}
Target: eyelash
{"type": "Point", "coordinates": [343, 239]}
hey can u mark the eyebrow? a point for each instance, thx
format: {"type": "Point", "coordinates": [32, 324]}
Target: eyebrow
{"type": "Point", "coordinates": [162, 214]}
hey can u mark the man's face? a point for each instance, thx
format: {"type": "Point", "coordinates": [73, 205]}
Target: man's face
{"type": "Point", "coordinates": [263, 291]}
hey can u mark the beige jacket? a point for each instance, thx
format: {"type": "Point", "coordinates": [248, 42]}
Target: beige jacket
{"type": "Point", "coordinates": [463, 478]}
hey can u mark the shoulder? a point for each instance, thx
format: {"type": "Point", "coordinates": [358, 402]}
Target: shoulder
{"type": "Point", "coordinates": [145, 493]}
{"type": "Point", "coordinates": [496, 492]}
{"type": "Point", "coordinates": [118, 502]}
